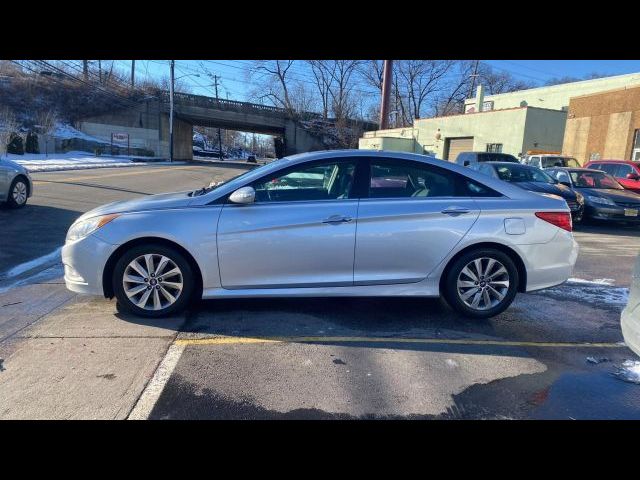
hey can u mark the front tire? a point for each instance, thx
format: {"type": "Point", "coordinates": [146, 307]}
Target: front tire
{"type": "Point", "coordinates": [18, 193]}
{"type": "Point", "coordinates": [153, 281]}
{"type": "Point", "coordinates": [481, 283]}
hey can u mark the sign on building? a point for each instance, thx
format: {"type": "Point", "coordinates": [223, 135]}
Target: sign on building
{"type": "Point", "coordinates": [119, 140]}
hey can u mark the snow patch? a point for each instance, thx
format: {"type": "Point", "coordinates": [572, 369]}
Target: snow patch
{"type": "Point", "coordinates": [39, 162]}
{"type": "Point", "coordinates": [629, 371]}
{"type": "Point", "coordinates": [599, 292]}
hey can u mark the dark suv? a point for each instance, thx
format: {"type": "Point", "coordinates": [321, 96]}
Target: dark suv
{"type": "Point", "coordinates": [467, 159]}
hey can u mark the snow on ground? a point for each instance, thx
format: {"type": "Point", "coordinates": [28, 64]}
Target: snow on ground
{"type": "Point", "coordinates": [43, 268]}
{"type": "Point", "coordinates": [598, 292]}
{"type": "Point", "coordinates": [66, 131]}
{"type": "Point", "coordinates": [629, 371]}
{"type": "Point", "coordinates": [68, 161]}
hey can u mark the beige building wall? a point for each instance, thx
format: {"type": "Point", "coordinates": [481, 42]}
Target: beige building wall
{"type": "Point", "coordinates": [517, 129]}
{"type": "Point", "coordinates": [558, 96]}
{"type": "Point", "coordinates": [602, 126]}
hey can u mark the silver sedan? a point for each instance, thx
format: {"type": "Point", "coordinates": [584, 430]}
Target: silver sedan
{"type": "Point", "coordinates": [15, 184]}
{"type": "Point", "coordinates": [337, 223]}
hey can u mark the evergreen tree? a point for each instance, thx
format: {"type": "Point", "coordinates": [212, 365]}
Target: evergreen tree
{"type": "Point", "coordinates": [15, 145]}
{"type": "Point", "coordinates": [31, 144]}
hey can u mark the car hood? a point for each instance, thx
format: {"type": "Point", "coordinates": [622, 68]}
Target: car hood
{"type": "Point", "coordinates": [12, 165]}
{"type": "Point", "coordinates": [615, 195]}
{"type": "Point", "coordinates": [151, 202]}
{"type": "Point", "coordinates": [542, 187]}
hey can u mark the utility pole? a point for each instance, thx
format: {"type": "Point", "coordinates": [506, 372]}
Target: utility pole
{"type": "Point", "coordinates": [133, 73]}
{"type": "Point", "coordinates": [171, 111]}
{"type": "Point", "coordinates": [100, 71]}
{"type": "Point", "coordinates": [473, 79]}
{"type": "Point", "coordinates": [85, 69]}
{"type": "Point", "coordinates": [387, 79]}
{"type": "Point", "coordinates": [215, 83]}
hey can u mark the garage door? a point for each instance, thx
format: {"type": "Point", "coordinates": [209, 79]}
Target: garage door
{"type": "Point", "coordinates": [457, 145]}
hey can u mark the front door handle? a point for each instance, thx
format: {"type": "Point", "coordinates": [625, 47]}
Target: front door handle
{"type": "Point", "coordinates": [453, 211]}
{"type": "Point", "coordinates": [337, 219]}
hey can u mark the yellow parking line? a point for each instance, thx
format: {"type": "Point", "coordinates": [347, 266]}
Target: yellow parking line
{"type": "Point", "coordinates": [456, 341]}
{"type": "Point", "coordinates": [121, 174]}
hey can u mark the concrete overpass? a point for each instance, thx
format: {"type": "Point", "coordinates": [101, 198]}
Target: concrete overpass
{"type": "Point", "coordinates": [148, 124]}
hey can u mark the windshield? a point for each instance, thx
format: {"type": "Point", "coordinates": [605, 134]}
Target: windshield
{"type": "Point", "coordinates": [214, 185]}
{"type": "Point", "coordinates": [594, 180]}
{"type": "Point", "coordinates": [522, 173]}
{"type": "Point", "coordinates": [560, 162]}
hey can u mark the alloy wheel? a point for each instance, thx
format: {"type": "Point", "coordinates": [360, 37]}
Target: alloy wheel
{"type": "Point", "coordinates": [152, 282]}
{"type": "Point", "coordinates": [19, 193]}
{"type": "Point", "coordinates": [483, 283]}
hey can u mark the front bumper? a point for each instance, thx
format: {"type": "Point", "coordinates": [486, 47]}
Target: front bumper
{"type": "Point", "coordinates": [610, 213]}
{"type": "Point", "coordinates": [84, 262]}
{"type": "Point", "coordinates": [630, 323]}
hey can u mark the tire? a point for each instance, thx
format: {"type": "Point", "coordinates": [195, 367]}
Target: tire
{"type": "Point", "coordinates": [18, 193]}
{"type": "Point", "coordinates": [462, 299]}
{"type": "Point", "coordinates": [158, 302]}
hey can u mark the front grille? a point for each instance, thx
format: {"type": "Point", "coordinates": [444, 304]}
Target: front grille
{"type": "Point", "coordinates": [629, 204]}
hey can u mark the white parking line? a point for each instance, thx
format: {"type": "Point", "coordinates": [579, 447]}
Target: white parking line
{"type": "Point", "coordinates": [154, 388]}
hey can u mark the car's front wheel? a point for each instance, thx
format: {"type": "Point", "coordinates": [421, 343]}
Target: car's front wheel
{"type": "Point", "coordinates": [481, 283]}
{"type": "Point", "coordinates": [18, 193]}
{"type": "Point", "coordinates": [153, 281]}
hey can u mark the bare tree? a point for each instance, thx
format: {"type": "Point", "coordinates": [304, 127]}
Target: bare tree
{"type": "Point", "coordinates": [47, 121]}
{"type": "Point", "coordinates": [343, 104]}
{"type": "Point", "coordinates": [274, 82]}
{"type": "Point", "coordinates": [8, 126]}
{"type": "Point", "coordinates": [323, 77]}
{"type": "Point", "coordinates": [372, 72]}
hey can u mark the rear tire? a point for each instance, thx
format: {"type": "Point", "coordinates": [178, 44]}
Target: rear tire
{"type": "Point", "coordinates": [153, 281]}
{"type": "Point", "coordinates": [481, 283]}
{"type": "Point", "coordinates": [18, 193]}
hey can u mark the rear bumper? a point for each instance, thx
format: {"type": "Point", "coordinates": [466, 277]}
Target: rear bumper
{"type": "Point", "coordinates": [551, 263]}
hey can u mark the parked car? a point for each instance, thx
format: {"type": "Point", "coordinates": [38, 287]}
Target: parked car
{"type": "Point", "coordinates": [442, 230]}
{"type": "Point", "coordinates": [626, 172]}
{"type": "Point", "coordinates": [630, 318]}
{"type": "Point", "coordinates": [16, 185]}
{"type": "Point", "coordinates": [534, 180]}
{"type": "Point", "coordinates": [548, 161]}
{"type": "Point", "coordinates": [467, 159]}
{"type": "Point", "coordinates": [604, 197]}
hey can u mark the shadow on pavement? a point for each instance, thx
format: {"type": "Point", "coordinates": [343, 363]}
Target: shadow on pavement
{"type": "Point", "coordinates": [32, 231]}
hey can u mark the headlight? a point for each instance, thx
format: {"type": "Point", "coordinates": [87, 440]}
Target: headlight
{"type": "Point", "coordinates": [601, 200]}
{"type": "Point", "coordinates": [83, 228]}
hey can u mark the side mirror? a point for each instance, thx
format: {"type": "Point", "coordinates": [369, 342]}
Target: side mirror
{"type": "Point", "coordinates": [244, 195]}
{"type": "Point", "coordinates": [633, 176]}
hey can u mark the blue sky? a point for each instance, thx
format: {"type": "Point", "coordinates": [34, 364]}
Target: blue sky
{"type": "Point", "coordinates": [235, 84]}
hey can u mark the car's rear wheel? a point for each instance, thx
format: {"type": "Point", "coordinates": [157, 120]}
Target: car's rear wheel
{"type": "Point", "coordinates": [481, 283]}
{"type": "Point", "coordinates": [18, 193]}
{"type": "Point", "coordinates": [153, 281]}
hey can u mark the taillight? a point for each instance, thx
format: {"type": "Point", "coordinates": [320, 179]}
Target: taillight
{"type": "Point", "coordinates": [559, 219]}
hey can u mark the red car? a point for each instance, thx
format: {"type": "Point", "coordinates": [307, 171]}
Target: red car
{"type": "Point", "coordinates": [625, 171]}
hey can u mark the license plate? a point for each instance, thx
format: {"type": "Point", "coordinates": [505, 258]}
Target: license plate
{"type": "Point", "coordinates": [630, 212]}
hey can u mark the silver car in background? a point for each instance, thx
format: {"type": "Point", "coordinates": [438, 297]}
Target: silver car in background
{"type": "Point", "coordinates": [15, 184]}
{"type": "Point", "coordinates": [335, 223]}
{"type": "Point", "coordinates": [630, 319]}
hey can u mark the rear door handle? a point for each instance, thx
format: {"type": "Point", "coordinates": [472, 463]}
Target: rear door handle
{"type": "Point", "coordinates": [337, 219]}
{"type": "Point", "coordinates": [453, 211]}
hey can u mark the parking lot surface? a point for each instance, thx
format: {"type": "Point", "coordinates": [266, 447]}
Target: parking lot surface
{"type": "Point", "coordinates": [64, 355]}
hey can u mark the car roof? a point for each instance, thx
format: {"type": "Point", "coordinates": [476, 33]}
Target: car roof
{"type": "Point", "coordinates": [630, 162]}
{"type": "Point", "coordinates": [510, 163]}
{"type": "Point", "coordinates": [575, 169]}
